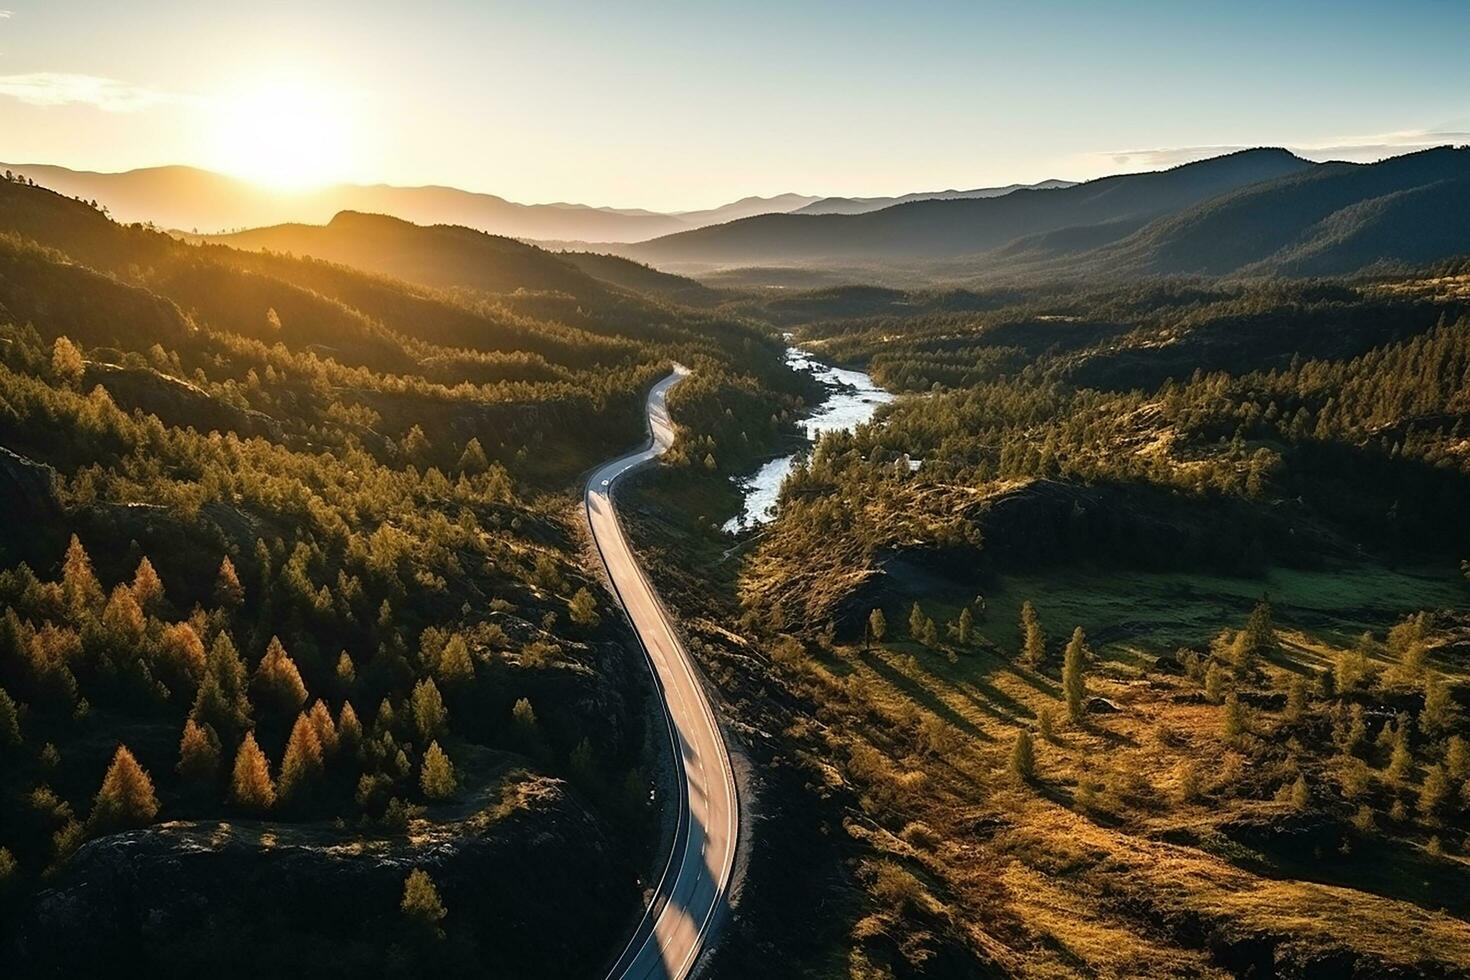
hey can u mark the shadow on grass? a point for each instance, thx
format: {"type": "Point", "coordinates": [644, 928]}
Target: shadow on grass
{"type": "Point", "coordinates": [923, 696]}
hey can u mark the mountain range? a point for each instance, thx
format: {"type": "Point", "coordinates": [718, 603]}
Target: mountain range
{"type": "Point", "coordinates": [190, 199]}
{"type": "Point", "coordinates": [1254, 212]}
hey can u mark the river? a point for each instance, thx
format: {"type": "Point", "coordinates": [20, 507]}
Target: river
{"type": "Point", "coordinates": [851, 400]}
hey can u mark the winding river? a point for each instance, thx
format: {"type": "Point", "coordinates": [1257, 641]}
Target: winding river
{"type": "Point", "coordinates": [851, 400]}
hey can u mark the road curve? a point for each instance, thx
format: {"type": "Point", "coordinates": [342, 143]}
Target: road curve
{"type": "Point", "coordinates": [692, 886]}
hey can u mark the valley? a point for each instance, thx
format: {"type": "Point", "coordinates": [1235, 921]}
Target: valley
{"type": "Point", "coordinates": [1092, 601]}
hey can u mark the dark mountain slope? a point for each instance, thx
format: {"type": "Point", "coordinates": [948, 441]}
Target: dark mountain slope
{"type": "Point", "coordinates": [438, 256]}
{"type": "Point", "coordinates": [1335, 218]}
{"type": "Point", "coordinates": [644, 279]}
{"type": "Point", "coordinates": [930, 230]}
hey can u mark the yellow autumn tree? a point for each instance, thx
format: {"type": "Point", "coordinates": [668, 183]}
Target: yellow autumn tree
{"type": "Point", "coordinates": [277, 684]}
{"type": "Point", "coordinates": [436, 774]}
{"type": "Point", "coordinates": [251, 785]}
{"type": "Point", "coordinates": [126, 798]}
{"type": "Point", "coordinates": [303, 761]}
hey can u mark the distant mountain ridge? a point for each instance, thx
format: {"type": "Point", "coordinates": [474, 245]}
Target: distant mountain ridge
{"type": "Point", "coordinates": [938, 230]}
{"type": "Point", "coordinates": [862, 205]}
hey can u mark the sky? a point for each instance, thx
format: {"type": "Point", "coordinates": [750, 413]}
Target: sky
{"type": "Point", "coordinates": [682, 105]}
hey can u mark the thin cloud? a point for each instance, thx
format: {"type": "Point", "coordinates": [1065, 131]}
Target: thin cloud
{"type": "Point", "coordinates": [49, 88]}
{"type": "Point", "coordinates": [6, 14]}
{"type": "Point", "coordinates": [1361, 149]}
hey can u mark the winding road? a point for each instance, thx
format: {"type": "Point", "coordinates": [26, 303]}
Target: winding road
{"type": "Point", "coordinates": [692, 887]}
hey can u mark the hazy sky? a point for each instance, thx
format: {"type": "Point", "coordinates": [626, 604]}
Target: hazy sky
{"type": "Point", "coordinates": [689, 104]}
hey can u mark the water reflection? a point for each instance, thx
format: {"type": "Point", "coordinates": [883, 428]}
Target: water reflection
{"type": "Point", "coordinates": [851, 400]}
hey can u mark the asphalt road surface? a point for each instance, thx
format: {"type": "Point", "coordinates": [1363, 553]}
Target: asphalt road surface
{"type": "Point", "coordinates": [691, 890]}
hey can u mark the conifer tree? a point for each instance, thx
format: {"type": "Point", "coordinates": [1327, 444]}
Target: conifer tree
{"type": "Point", "coordinates": [1233, 721]}
{"type": "Point", "coordinates": [429, 714]}
{"type": "Point", "coordinates": [583, 609]}
{"type": "Point", "coordinates": [1401, 762]}
{"type": "Point", "coordinates": [147, 587]}
{"type": "Point", "coordinates": [1301, 795]}
{"type": "Point", "coordinates": [326, 730]}
{"type": "Point", "coordinates": [349, 729]}
{"type": "Point", "coordinates": [67, 364]}
{"type": "Point", "coordinates": [303, 762]}
{"type": "Point", "coordinates": [1216, 683]}
{"type": "Point", "coordinates": [877, 626]}
{"type": "Point", "coordinates": [1457, 758]}
{"type": "Point", "coordinates": [456, 667]}
{"type": "Point", "coordinates": [964, 627]}
{"type": "Point", "coordinates": [1257, 641]}
{"type": "Point", "coordinates": [221, 701]}
{"type": "Point", "coordinates": [346, 672]}
{"type": "Point", "coordinates": [277, 684]}
{"type": "Point", "coordinates": [1434, 793]}
{"type": "Point", "coordinates": [1408, 644]}
{"type": "Point", "coordinates": [123, 620]}
{"type": "Point", "coordinates": [917, 622]}
{"type": "Point", "coordinates": [1033, 640]}
{"type": "Point", "coordinates": [229, 594]}
{"type": "Point", "coordinates": [79, 584]}
{"type": "Point", "coordinates": [415, 446]}
{"type": "Point", "coordinates": [1441, 714]}
{"type": "Point", "coordinates": [1074, 680]}
{"type": "Point", "coordinates": [182, 653]}
{"type": "Point", "coordinates": [472, 461]}
{"type": "Point", "coordinates": [10, 736]}
{"type": "Point", "coordinates": [1023, 757]}
{"type": "Point", "coordinates": [251, 786]}
{"type": "Point", "coordinates": [421, 901]}
{"type": "Point", "coordinates": [126, 798]}
{"type": "Point", "coordinates": [199, 753]}
{"type": "Point", "coordinates": [436, 774]}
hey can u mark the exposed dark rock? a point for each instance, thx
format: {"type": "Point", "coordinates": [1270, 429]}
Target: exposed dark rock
{"type": "Point", "coordinates": [536, 891]}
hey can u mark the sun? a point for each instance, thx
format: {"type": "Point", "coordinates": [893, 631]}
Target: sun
{"type": "Point", "coordinates": [287, 133]}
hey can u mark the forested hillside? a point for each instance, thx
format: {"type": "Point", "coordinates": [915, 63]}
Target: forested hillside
{"type": "Point", "coordinates": [291, 571]}
{"type": "Point", "coordinates": [1129, 640]}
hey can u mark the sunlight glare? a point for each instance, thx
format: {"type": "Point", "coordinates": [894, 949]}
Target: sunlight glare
{"type": "Point", "coordinates": [287, 133]}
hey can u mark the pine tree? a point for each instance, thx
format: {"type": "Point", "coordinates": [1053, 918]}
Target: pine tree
{"type": "Point", "coordinates": [1216, 683]}
{"type": "Point", "coordinates": [123, 621]}
{"type": "Point", "coordinates": [1441, 714]}
{"type": "Point", "coordinates": [10, 736]}
{"type": "Point", "coordinates": [277, 684]}
{"type": "Point", "coordinates": [221, 702]}
{"type": "Point", "coordinates": [67, 364]}
{"type": "Point", "coordinates": [126, 798]}
{"type": "Point", "coordinates": [472, 461]}
{"type": "Point", "coordinates": [349, 729]}
{"type": "Point", "coordinates": [421, 901]}
{"type": "Point", "coordinates": [429, 714]}
{"type": "Point", "coordinates": [346, 672]}
{"type": "Point", "coordinates": [583, 609]}
{"type": "Point", "coordinates": [321, 722]}
{"type": "Point", "coordinates": [1033, 640]}
{"type": "Point", "coordinates": [182, 654]}
{"type": "Point", "coordinates": [228, 592]}
{"type": "Point", "coordinates": [1046, 722]}
{"type": "Point", "coordinates": [1401, 762]}
{"type": "Point", "coordinates": [436, 774]}
{"type": "Point", "coordinates": [416, 446]}
{"type": "Point", "coordinates": [456, 667]}
{"type": "Point", "coordinates": [1434, 793]}
{"type": "Point", "coordinates": [1457, 758]}
{"type": "Point", "coordinates": [79, 585]}
{"type": "Point", "coordinates": [199, 753]}
{"type": "Point", "coordinates": [1408, 643]}
{"type": "Point", "coordinates": [877, 626]}
{"type": "Point", "coordinates": [964, 630]}
{"type": "Point", "coordinates": [303, 763]}
{"type": "Point", "coordinates": [251, 785]}
{"type": "Point", "coordinates": [1023, 757]}
{"type": "Point", "coordinates": [147, 587]}
{"type": "Point", "coordinates": [917, 623]}
{"type": "Point", "coordinates": [1257, 641]}
{"type": "Point", "coordinates": [1074, 680]}
{"type": "Point", "coordinates": [1233, 721]}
